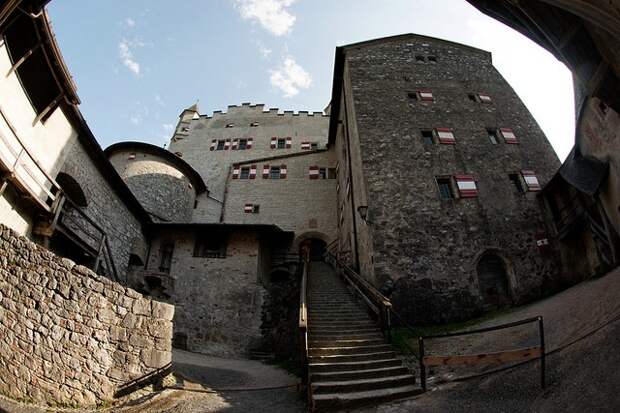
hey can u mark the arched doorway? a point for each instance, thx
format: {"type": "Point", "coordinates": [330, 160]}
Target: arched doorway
{"type": "Point", "coordinates": [493, 281]}
{"type": "Point", "coordinates": [315, 246]}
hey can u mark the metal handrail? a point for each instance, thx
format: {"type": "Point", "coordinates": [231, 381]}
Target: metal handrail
{"type": "Point", "coordinates": [303, 326]}
{"type": "Point", "coordinates": [376, 301]}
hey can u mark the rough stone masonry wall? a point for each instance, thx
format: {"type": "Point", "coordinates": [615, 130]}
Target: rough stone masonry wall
{"type": "Point", "coordinates": [427, 245]}
{"type": "Point", "coordinates": [68, 336]}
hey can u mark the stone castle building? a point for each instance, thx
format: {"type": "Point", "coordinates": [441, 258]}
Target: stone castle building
{"type": "Point", "coordinates": [422, 174]}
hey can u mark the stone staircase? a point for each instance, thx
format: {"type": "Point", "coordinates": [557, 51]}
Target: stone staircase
{"type": "Point", "coordinates": [350, 363]}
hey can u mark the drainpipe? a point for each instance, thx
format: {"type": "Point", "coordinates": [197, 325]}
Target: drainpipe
{"type": "Point", "coordinates": [353, 214]}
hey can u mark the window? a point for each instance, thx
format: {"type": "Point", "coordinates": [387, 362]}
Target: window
{"type": "Point", "coordinates": [305, 146]}
{"type": "Point", "coordinates": [274, 172]}
{"type": "Point", "coordinates": [445, 136]}
{"type": "Point", "coordinates": [484, 98]}
{"type": "Point", "coordinates": [425, 95]}
{"type": "Point", "coordinates": [165, 256]}
{"type": "Point", "coordinates": [516, 182]}
{"type": "Point", "coordinates": [220, 145]}
{"type": "Point", "coordinates": [332, 173]}
{"type": "Point", "coordinates": [243, 144]}
{"type": "Point", "coordinates": [245, 173]}
{"type": "Point", "coordinates": [531, 181]}
{"type": "Point", "coordinates": [432, 59]}
{"type": "Point", "coordinates": [179, 154]}
{"type": "Point", "coordinates": [322, 173]}
{"type": "Point", "coordinates": [427, 137]}
{"type": "Point", "coordinates": [212, 245]}
{"type": "Point", "coordinates": [230, 125]}
{"type": "Point", "coordinates": [314, 146]}
{"type": "Point", "coordinates": [281, 143]}
{"type": "Point", "coordinates": [493, 136]}
{"type": "Point", "coordinates": [195, 203]}
{"type": "Point", "coordinates": [445, 188]}
{"type": "Point", "coordinates": [472, 97]}
{"type": "Point", "coordinates": [254, 124]}
{"type": "Point", "coordinates": [419, 58]}
{"type": "Point", "coordinates": [509, 136]}
{"type": "Point", "coordinates": [185, 129]}
{"type": "Point", "coordinates": [412, 95]}
{"type": "Point", "coordinates": [251, 208]}
{"type": "Point", "coordinates": [467, 186]}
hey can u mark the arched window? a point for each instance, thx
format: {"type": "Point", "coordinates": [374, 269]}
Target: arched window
{"type": "Point", "coordinates": [72, 189]}
{"type": "Point", "coordinates": [493, 281]}
{"type": "Point", "coordinates": [165, 256]}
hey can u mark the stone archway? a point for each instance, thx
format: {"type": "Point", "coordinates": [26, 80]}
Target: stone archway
{"type": "Point", "coordinates": [493, 281]}
{"type": "Point", "coordinates": [315, 242]}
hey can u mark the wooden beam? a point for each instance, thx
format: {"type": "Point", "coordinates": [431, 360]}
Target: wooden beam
{"type": "Point", "coordinates": [488, 358]}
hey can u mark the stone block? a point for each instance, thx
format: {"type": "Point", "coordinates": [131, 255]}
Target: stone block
{"type": "Point", "coordinates": [163, 310]}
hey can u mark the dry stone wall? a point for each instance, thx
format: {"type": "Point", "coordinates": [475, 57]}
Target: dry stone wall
{"type": "Point", "coordinates": [69, 336]}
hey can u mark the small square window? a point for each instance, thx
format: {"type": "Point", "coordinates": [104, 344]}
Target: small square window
{"type": "Point", "coordinates": [516, 182]}
{"type": "Point", "coordinates": [230, 125]}
{"type": "Point", "coordinates": [314, 146]}
{"type": "Point", "coordinates": [254, 124]}
{"type": "Point", "coordinates": [274, 172]}
{"type": "Point", "coordinates": [255, 209]}
{"type": "Point", "coordinates": [281, 143]}
{"type": "Point", "coordinates": [493, 136]}
{"type": "Point", "coordinates": [427, 137]}
{"type": "Point", "coordinates": [419, 58]}
{"type": "Point", "coordinates": [472, 97]}
{"type": "Point", "coordinates": [332, 173]}
{"type": "Point", "coordinates": [210, 246]}
{"type": "Point", "coordinates": [220, 144]}
{"type": "Point", "coordinates": [322, 173]}
{"type": "Point", "coordinates": [412, 95]}
{"type": "Point", "coordinates": [245, 173]}
{"type": "Point", "coordinates": [185, 129]}
{"type": "Point", "coordinates": [426, 95]}
{"type": "Point", "coordinates": [445, 188]}
{"type": "Point", "coordinates": [432, 59]}
{"type": "Point", "coordinates": [251, 208]}
{"type": "Point", "coordinates": [243, 143]}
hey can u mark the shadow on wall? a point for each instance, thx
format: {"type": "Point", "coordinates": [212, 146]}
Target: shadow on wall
{"type": "Point", "coordinates": [166, 197]}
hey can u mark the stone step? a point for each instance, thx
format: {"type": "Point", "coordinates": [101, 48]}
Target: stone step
{"type": "Point", "coordinates": [340, 317]}
{"type": "Point", "coordinates": [347, 336]}
{"type": "Point", "coordinates": [366, 384]}
{"type": "Point", "coordinates": [321, 367]}
{"type": "Point", "coordinates": [350, 350]}
{"type": "Point", "coordinates": [350, 323]}
{"type": "Point", "coordinates": [337, 400]}
{"type": "Point", "coordinates": [343, 358]}
{"type": "Point", "coordinates": [359, 374]}
{"type": "Point", "coordinates": [346, 342]}
{"type": "Point", "coordinates": [344, 329]}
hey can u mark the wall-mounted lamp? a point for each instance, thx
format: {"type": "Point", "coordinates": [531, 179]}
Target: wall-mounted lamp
{"type": "Point", "coordinates": [363, 211]}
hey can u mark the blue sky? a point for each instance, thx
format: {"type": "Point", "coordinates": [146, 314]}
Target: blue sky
{"type": "Point", "coordinates": [138, 63]}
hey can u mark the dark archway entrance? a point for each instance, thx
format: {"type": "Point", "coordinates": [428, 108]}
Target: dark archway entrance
{"type": "Point", "coordinates": [493, 282]}
{"type": "Point", "coordinates": [315, 246]}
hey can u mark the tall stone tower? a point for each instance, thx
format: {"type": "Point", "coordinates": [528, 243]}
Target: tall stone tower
{"type": "Point", "coordinates": [440, 163]}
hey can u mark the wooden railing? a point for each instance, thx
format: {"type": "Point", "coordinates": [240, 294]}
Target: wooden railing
{"type": "Point", "coordinates": [514, 355]}
{"type": "Point", "coordinates": [303, 318]}
{"type": "Point", "coordinates": [373, 298]}
{"type": "Point", "coordinates": [22, 168]}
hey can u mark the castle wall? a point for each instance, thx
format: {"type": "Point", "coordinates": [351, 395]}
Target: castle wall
{"type": "Point", "coordinates": [214, 166]}
{"type": "Point", "coordinates": [162, 189]}
{"type": "Point", "coordinates": [296, 203]}
{"type": "Point", "coordinates": [105, 207]}
{"type": "Point", "coordinates": [218, 300]}
{"type": "Point", "coordinates": [68, 336]}
{"type": "Point", "coordinates": [430, 246]}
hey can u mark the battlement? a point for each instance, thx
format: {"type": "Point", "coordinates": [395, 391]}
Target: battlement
{"type": "Point", "coordinates": [259, 108]}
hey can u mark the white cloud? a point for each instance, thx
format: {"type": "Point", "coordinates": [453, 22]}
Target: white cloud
{"type": "Point", "coordinates": [271, 14]}
{"type": "Point", "coordinates": [168, 126]}
{"type": "Point", "coordinates": [126, 55]}
{"type": "Point", "coordinates": [290, 77]}
{"type": "Point", "coordinates": [264, 51]}
{"type": "Point", "coordinates": [159, 100]}
{"type": "Point", "coordinates": [136, 120]}
{"type": "Point", "coordinates": [129, 22]}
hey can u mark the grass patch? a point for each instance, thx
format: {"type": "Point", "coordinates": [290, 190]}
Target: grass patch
{"type": "Point", "coordinates": [406, 341]}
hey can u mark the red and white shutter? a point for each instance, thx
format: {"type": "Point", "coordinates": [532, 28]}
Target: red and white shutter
{"type": "Point", "coordinates": [253, 172]}
{"type": "Point", "coordinates": [265, 171]}
{"type": "Point", "coordinates": [466, 185]}
{"type": "Point", "coordinates": [445, 136]}
{"type": "Point", "coordinates": [426, 95]}
{"type": "Point", "coordinates": [235, 144]}
{"type": "Point", "coordinates": [508, 135]}
{"type": "Point", "coordinates": [274, 143]}
{"type": "Point", "coordinates": [313, 172]}
{"type": "Point", "coordinates": [283, 172]}
{"type": "Point", "coordinates": [484, 98]}
{"type": "Point", "coordinates": [305, 146]}
{"type": "Point", "coordinates": [213, 144]}
{"type": "Point", "coordinates": [227, 145]}
{"type": "Point", "coordinates": [248, 208]}
{"type": "Point", "coordinates": [236, 172]}
{"type": "Point", "coordinates": [249, 144]}
{"type": "Point", "coordinates": [531, 181]}
{"type": "Point", "coordinates": [289, 143]}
